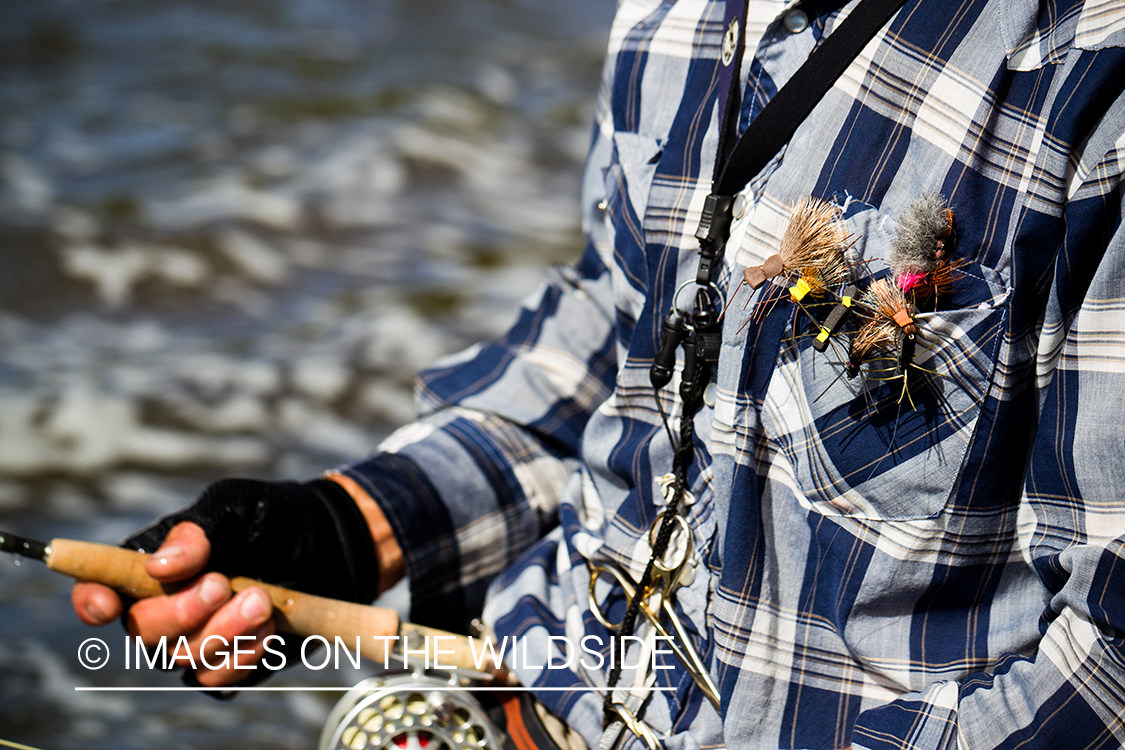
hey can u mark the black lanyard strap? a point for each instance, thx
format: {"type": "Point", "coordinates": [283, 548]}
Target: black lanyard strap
{"type": "Point", "coordinates": [779, 120]}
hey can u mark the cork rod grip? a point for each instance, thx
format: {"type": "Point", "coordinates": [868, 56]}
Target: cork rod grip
{"type": "Point", "coordinates": [305, 614]}
{"type": "Point", "coordinates": [294, 611]}
{"type": "Point", "coordinates": [120, 569]}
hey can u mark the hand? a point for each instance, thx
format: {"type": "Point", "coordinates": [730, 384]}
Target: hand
{"type": "Point", "coordinates": [201, 609]}
{"type": "Point", "coordinates": [310, 537]}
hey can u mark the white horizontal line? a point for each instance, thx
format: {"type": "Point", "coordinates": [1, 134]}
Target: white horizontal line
{"type": "Point", "coordinates": [343, 689]}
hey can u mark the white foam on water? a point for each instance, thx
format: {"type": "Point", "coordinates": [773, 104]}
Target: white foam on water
{"type": "Point", "coordinates": [444, 107]}
{"type": "Point", "coordinates": [276, 160]}
{"type": "Point", "coordinates": [393, 403]}
{"type": "Point", "coordinates": [497, 84]}
{"type": "Point", "coordinates": [321, 377]}
{"type": "Point", "coordinates": [74, 224]}
{"type": "Point", "coordinates": [214, 374]}
{"type": "Point", "coordinates": [133, 490]}
{"type": "Point", "coordinates": [24, 187]}
{"type": "Point", "coordinates": [179, 267]}
{"type": "Point", "coordinates": [257, 259]}
{"type": "Point", "coordinates": [85, 432]}
{"type": "Point", "coordinates": [402, 342]}
{"type": "Point", "coordinates": [57, 682]}
{"type": "Point", "coordinates": [113, 272]}
{"type": "Point", "coordinates": [226, 198]}
{"type": "Point", "coordinates": [239, 412]}
{"type": "Point", "coordinates": [355, 182]}
{"type": "Point", "coordinates": [320, 430]}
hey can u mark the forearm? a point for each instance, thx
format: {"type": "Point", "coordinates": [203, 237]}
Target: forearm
{"type": "Point", "coordinates": [387, 549]}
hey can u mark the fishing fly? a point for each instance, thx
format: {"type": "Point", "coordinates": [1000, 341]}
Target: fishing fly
{"type": "Point", "coordinates": [891, 330]}
{"type": "Point", "coordinates": [836, 318]}
{"type": "Point", "coordinates": [812, 249]}
{"type": "Point", "coordinates": [810, 258]}
{"type": "Point", "coordinates": [920, 259]}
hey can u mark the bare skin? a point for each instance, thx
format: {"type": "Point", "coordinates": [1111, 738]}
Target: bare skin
{"type": "Point", "coordinates": [205, 607]}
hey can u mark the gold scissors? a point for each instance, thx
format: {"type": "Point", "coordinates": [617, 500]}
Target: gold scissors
{"type": "Point", "coordinates": [667, 577]}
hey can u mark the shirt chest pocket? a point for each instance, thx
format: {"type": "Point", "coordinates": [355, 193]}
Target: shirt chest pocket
{"type": "Point", "coordinates": [889, 442]}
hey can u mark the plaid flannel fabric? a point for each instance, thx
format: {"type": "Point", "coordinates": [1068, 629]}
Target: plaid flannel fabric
{"type": "Point", "coordinates": [929, 568]}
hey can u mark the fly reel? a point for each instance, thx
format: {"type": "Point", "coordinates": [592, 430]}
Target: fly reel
{"type": "Point", "coordinates": [410, 710]}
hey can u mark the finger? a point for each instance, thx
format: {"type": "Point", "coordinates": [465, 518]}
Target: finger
{"type": "Point", "coordinates": [182, 554]}
{"type": "Point", "coordinates": [236, 667]}
{"type": "Point", "coordinates": [182, 613]}
{"type": "Point", "coordinates": [241, 616]}
{"type": "Point", "coordinates": [95, 604]}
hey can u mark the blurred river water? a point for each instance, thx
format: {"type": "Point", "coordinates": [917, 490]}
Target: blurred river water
{"type": "Point", "coordinates": [230, 233]}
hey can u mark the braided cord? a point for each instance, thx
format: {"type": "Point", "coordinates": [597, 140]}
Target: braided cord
{"type": "Point", "coordinates": [681, 462]}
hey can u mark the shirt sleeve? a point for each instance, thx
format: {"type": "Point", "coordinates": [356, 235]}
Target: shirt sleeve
{"type": "Point", "coordinates": [476, 479]}
{"type": "Point", "coordinates": [1070, 692]}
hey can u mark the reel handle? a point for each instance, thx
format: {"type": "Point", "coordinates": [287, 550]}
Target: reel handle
{"type": "Point", "coordinates": [294, 611]}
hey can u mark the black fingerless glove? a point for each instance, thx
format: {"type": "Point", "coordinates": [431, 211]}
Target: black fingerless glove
{"type": "Point", "coordinates": [307, 536]}
{"type": "Point", "coordinates": [310, 537]}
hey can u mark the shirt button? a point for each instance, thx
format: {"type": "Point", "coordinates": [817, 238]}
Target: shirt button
{"type": "Point", "coordinates": [740, 203]}
{"type": "Point", "coordinates": [796, 20]}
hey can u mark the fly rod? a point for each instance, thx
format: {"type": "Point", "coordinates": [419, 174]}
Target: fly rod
{"type": "Point", "coordinates": [294, 611]}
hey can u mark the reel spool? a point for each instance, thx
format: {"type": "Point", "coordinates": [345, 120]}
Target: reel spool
{"type": "Point", "coordinates": [409, 710]}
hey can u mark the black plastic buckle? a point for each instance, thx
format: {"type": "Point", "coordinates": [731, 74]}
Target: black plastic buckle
{"type": "Point", "coordinates": [712, 233]}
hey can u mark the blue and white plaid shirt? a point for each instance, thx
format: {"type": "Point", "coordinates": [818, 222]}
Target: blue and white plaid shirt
{"type": "Point", "coordinates": [942, 570]}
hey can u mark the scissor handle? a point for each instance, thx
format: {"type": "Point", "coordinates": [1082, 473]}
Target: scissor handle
{"type": "Point", "coordinates": [623, 581]}
{"type": "Point", "coordinates": [685, 652]}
